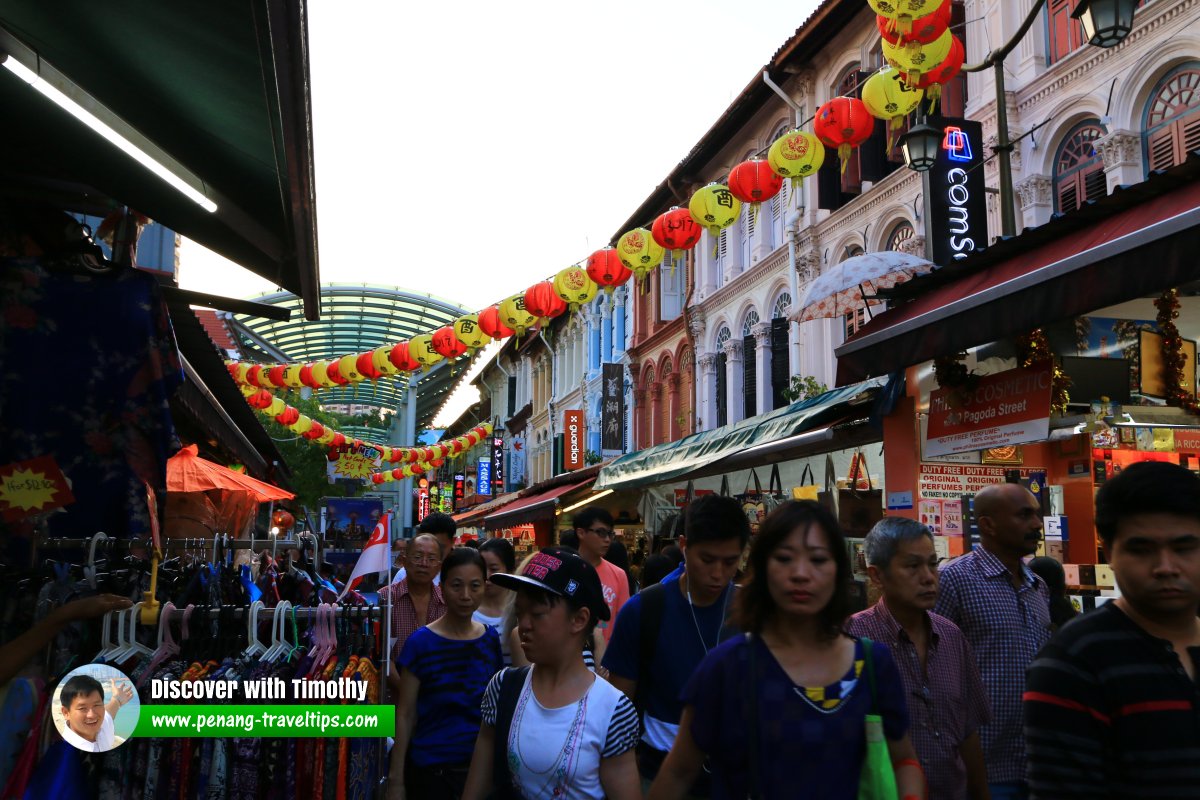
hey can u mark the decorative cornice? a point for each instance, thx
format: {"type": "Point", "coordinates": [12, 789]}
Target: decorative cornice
{"type": "Point", "coordinates": [1036, 190]}
{"type": "Point", "coordinates": [696, 321]}
{"type": "Point", "coordinates": [733, 350]}
{"type": "Point", "coordinates": [764, 271]}
{"type": "Point", "coordinates": [708, 363]}
{"type": "Point", "coordinates": [666, 331]}
{"type": "Point", "coordinates": [762, 333]}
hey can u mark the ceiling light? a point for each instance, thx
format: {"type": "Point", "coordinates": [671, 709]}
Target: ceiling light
{"type": "Point", "coordinates": [104, 129]}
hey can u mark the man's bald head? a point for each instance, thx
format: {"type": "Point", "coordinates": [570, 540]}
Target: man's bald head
{"type": "Point", "coordinates": [993, 498]}
{"type": "Point", "coordinates": [1010, 519]}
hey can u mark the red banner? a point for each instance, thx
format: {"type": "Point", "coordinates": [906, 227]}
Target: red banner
{"type": "Point", "coordinates": [574, 434]}
{"type": "Point", "coordinates": [1011, 407]}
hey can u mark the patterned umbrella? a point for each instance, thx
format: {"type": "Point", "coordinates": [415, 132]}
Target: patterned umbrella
{"type": "Point", "coordinates": [841, 288]}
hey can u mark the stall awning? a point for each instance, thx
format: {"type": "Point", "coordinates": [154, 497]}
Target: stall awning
{"type": "Point", "coordinates": [472, 516]}
{"type": "Point", "coordinates": [670, 461]}
{"type": "Point", "coordinates": [1141, 251]}
{"type": "Point", "coordinates": [534, 507]}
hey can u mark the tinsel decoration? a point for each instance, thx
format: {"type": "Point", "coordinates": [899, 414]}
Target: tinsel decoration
{"type": "Point", "coordinates": [951, 373]}
{"type": "Point", "coordinates": [1172, 353]}
{"type": "Point", "coordinates": [1033, 348]}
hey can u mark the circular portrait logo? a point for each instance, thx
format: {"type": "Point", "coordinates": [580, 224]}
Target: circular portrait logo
{"type": "Point", "coordinates": [95, 708]}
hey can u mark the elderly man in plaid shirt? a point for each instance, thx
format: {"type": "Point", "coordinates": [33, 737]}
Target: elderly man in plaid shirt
{"type": "Point", "coordinates": [946, 699]}
{"type": "Point", "coordinates": [1003, 608]}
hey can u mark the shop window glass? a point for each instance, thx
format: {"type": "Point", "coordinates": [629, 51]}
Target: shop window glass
{"type": "Point", "coordinates": [1172, 118]}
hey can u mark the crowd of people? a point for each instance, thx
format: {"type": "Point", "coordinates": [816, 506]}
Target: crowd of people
{"type": "Point", "coordinates": [743, 674]}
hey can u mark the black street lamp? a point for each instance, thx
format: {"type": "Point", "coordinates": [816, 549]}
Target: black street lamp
{"type": "Point", "coordinates": [1105, 22]}
{"type": "Point", "coordinates": [920, 146]}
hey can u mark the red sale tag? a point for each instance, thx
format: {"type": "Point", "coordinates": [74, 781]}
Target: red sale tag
{"type": "Point", "coordinates": [31, 487]}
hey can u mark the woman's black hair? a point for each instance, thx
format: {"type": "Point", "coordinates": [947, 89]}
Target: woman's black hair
{"type": "Point", "coordinates": [504, 549]}
{"type": "Point", "coordinates": [461, 556]}
{"type": "Point", "coordinates": [753, 607]}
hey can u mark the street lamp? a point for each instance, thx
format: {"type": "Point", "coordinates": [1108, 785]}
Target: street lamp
{"type": "Point", "coordinates": [920, 146]}
{"type": "Point", "coordinates": [1105, 22]}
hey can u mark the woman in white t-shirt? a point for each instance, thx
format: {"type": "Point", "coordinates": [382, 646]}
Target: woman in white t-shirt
{"type": "Point", "coordinates": [500, 557]}
{"type": "Point", "coordinates": [560, 730]}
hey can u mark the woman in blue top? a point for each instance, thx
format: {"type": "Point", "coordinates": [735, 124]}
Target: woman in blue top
{"type": "Point", "coordinates": [445, 667]}
{"type": "Point", "coordinates": [780, 712]}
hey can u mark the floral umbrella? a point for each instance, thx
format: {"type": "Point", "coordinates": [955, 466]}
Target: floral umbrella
{"type": "Point", "coordinates": [841, 288]}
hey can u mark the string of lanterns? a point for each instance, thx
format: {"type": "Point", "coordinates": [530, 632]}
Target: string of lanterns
{"type": "Point", "coordinates": [922, 55]}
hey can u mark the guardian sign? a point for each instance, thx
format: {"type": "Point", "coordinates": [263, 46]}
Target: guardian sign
{"type": "Point", "coordinates": [958, 217]}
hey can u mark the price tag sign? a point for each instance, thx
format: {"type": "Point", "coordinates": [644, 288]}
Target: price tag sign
{"type": "Point", "coordinates": [31, 487]}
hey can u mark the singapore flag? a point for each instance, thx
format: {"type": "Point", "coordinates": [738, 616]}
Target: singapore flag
{"type": "Point", "coordinates": [375, 557]}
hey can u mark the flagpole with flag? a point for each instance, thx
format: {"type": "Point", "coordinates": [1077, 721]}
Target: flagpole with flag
{"type": "Point", "coordinates": [376, 556]}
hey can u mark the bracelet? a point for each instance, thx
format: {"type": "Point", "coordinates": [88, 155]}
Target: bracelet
{"type": "Point", "coordinates": [908, 762]}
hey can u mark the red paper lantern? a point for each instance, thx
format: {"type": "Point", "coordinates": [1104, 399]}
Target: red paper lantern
{"type": "Point", "coordinates": [925, 30]}
{"type": "Point", "coordinates": [252, 375]}
{"type": "Point", "coordinates": [232, 366]}
{"type": "Point", "coordinates": [489, 323]}
{"type": "Point", "coordinates": [437, 462]}
{"type": "Point", "coordinates": [604, 267]}
{"type": "Point", "coordinates": [334, 373]}
{"type": "Point", "coordinates": [366, 365]}
{"type": "Point", "coordinates": [306, 377]}
{"type": "Point", "coordinates": [315, 432]}
{"type": "Point", "coordinates": [398, 474]}
{"type": "Point", "coordinates": [401, 359]}
{"type": "Point", "coordinates": [275, 376]}
{"type": "Point", "coordinates": [377, 478]}
{"type": "Point", "coordinates": [935, 78]}
{"type": "Point", "coordinates": [260, 399]}
{"type": "Point", "coordinates": [289, 416]}
{"type": "Point", "coordinates": [754, 182]}
{"type": "Point", "coordinates": [676, 230]}
{"type": "Point", "coordinates": [542, 301]}
{"type": "Point", "coordinates": [447, 344]}
{"type": "Point", "coordinates": [843, 123]}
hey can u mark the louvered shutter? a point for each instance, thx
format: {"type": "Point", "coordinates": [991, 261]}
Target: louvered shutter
{"type": "Point", "coordinates": [829, 183]}
{"type": "Point", "coordinates": [780, 368]}
{"type": "Point", "coordinates": [749, 222]}
{"type": "Point", "coordinates": [1161, 149]}
{"type": "Point", "coordinates": [722, 390]}
{"type": "Point", "coordinates": [1068, 196]}
{"type": "Point", "coordinates": [873, 154]}
{"type": "Point", "coordinates": [1095, 183]}
{"type": "Point", "coordinates": [749, 377]}
{"type": "Point", "coordinates": [512, 395]}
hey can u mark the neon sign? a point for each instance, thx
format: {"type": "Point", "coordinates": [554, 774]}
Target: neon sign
{"type": "Point", "coordinates": [957, 145]}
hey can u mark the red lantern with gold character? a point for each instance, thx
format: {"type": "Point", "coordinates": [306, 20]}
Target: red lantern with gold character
{"type": "Point", "coordinates": [306, 377]}
{"type": "Point", "coordinates": [489, 323]}
{"type": "Point", "coordinates": [754, 182]}
{"type": "Point", "coordinates": [446, 343]}
{"type": "Point", "coordinates": [843, 123]}
{"type": "Point", "coordinates": [401, 358]}
{"type": "Point", "coordinates": [543, 302]}
{"type": "Point", "coordinates": [275, 376]}
{"type": "Point", "coordinates": [333, 371]}
{"type": "Point", "coordinates": [604, 267]}
{"type": "Point", "coordinates": [315, 432]}
{"type": "Point", "coordinates": [366, 365]}
{"type": "Point", "coordinates": [252, 375]}
{"type": "Point", "coordinates": [675, 230]}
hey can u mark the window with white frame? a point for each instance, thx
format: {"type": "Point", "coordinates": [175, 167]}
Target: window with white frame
{"type": "Point", "coordinates": [670, 287]}
{"type": "Point", "coordinates": [752, 319]}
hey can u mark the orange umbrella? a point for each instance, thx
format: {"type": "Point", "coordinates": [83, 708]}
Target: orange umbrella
{"type": "Point", "coordinates": [187, 472]}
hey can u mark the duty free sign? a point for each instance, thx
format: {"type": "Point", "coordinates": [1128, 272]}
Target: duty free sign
{"type": "Point", "coordinates": [1010, 407]}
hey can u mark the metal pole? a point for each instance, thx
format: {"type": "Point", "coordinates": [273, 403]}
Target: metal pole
{"type": "Point", "coordinates": [1008, 220]}
{"type": "Point", "coordinates": [410, 435]}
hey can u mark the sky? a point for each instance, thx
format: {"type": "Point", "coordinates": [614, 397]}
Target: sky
{"type": "Point", "coordinates": [470, 149]}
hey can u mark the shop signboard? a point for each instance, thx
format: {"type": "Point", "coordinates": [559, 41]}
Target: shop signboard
{"type": "Point", "coordinates": [460, 489]}
{"type": "Point", "coordinates": [483, 477]}
{"type": "Point", "coordinates": [612, 409]}
{"type": "Point", "coordinates": [1010, 407]}
{"type": "Point", "coordinates": [498, 463]}
{"type": "Point", "coordinates": [351, 517]}
{"type": "Point", "coordinates": [516, 460]}
{"type": "Point", "coordinates": [423, 508]}
{"type": "Point", "coordinates": [952, 481]}
{"type": "Point", "coordinates": [573, 439]}
{"type": "Point", "coordinates": [355, 462]}
{"type": "Point", "coordinates": [1187, 440]}
{"type": "Point", "coordinates": [958, 208]}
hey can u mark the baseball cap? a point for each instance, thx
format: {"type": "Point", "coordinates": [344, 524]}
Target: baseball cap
{"type": "Point", "coordinates": [560, 571]}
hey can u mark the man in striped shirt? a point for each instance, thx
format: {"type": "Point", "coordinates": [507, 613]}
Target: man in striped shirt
{"type": "Point", "coordinates": [1112, 704]}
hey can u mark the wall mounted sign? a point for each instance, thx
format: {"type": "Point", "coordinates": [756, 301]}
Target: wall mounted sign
{"type": "Point", "coordinates": [958, 217]}
{"type": "Point", "coordinates": [1010, 407]}
{"type": "Point", "coordinates": [574, 433]}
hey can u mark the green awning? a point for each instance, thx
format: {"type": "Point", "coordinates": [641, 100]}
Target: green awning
{"type": "Point", "coordinates": [666, 462]}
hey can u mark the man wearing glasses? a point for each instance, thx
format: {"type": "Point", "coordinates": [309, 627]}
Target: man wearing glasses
{"type": "Point", "coordinates": [946, 699]}
{"type": "Point", "coordinates": [594, 527]}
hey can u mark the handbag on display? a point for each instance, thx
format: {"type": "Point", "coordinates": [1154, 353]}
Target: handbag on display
{"type": "Point", "coordinates": [859, 509]}
{"type": "Point", "coordinates": [828, 496]}
{"type": "Point", "coordinates": [774, 496]}
{"type": "Point", "coordinates": [808, 489]}
{"type": "Point", "coordinates": [753, 503]}
{"type": "Point", "coordinates": [878, 779]}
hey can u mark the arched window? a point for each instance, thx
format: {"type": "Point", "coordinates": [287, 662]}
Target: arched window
{"type": "Point", "coordinates": [723, 336]}
{"type": "Point", "coordinates": [780, 311]}
{"type": "Point", "coordinates": [1078, 168]}
{"type": "Point", "coordinates": [721, 392]}
{"type": "Point", "coordinates": [751, 320]}
{"type": "Point", "coordinates": [899, 235]}
{"type": "Point", "coordinates": [1172, 125]}
{"type": "Point", "coordinates": [851, 251]}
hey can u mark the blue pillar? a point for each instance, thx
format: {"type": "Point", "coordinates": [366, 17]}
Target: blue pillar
{"type": "Point", "coordinates": [594, 334]}
{"type": "Point", "coordinates": [594, 441]}
{"type": "Point", "coordinates": [606, 336]}
{"type": "Point", "coordinates": [619, 328]}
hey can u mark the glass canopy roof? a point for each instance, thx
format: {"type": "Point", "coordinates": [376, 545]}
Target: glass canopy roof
{"type": "Point", "coordinates": [355, 318]}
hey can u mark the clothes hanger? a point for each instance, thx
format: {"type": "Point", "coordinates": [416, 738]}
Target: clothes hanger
{"type": "Point", "coordinates": [279, 642]}
{"type": "Point", "coordinates": [89, 571]}
{"type": "Point", "coordinates": [254, 647]}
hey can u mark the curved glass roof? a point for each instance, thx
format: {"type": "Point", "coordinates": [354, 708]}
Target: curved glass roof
{"type": "Point", "coordinates": [355, 318]}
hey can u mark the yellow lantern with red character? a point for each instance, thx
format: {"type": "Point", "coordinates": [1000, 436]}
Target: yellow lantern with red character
{"type": "Point", "coordinates": [575, 287]}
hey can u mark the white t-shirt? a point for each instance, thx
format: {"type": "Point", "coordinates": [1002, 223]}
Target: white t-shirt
{"type": "Point", "coordinates": [105, 739]}
{"type": "Point", "coordinates": [402, 573]}
{"type": "Point", "coordinates": [560, 749]}
{"type": "Point", "coordinates": [496, 624]}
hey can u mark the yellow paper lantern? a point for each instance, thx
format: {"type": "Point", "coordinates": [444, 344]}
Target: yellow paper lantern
{"type": "Point", "coordinates": [904, 11]}
{"type": "Point", "coordinates": [348, 369]}
{"type": "Point", "coordinates": [796, 155]}
{"type": "Point", "coordinates": [247, 390]}
{"type": "Point", "coordinates": [714, 207]}
{"type": "Point", "coordinates": [575, 287]}
{"type": "Point", "coordinates": [514, 315]}
{"type": "Point", "coordinates": [888, 97]}
{"type": "Point", "coordinates": [291, 376]}
{"type": "Point", "coordinates": [467, 329]}
{"type": "Point", "coordinates": [381, 362]}
{"type": "Point", "coordinates": [242, 369]}
{"type": "Point", "coordinates": [320, 374]}
{"type": "Point", "coordinates": [302, 425]}
{"type": "Point", "coordinates": [915, 63]}
{"type": "Point", "coordinates": [421, 350]}
{"type": "Point", "coordinates": [328, 436]}
{"type": "Point", "coordinates": [640, 254]}
{"type": "Point", "coordinates": [277, 407]}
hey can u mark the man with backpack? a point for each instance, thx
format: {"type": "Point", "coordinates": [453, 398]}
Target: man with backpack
{"type": "Point", "coordinates": [664, 632]}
